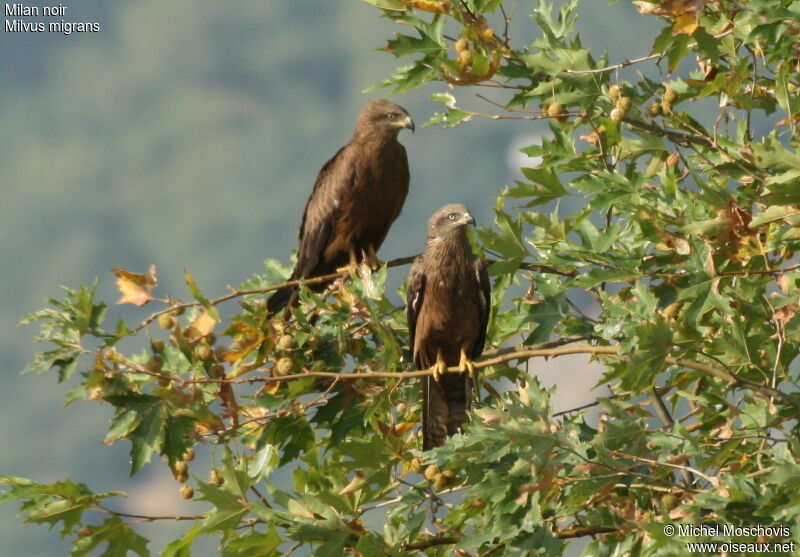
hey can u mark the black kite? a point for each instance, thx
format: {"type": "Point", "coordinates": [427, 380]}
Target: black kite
{"type": "Point", "coordinates": [448, 307]}
{"type": "Point", "coordinates": [357, 196]}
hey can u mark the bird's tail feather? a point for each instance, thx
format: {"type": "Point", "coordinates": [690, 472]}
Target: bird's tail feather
{"type": "Point", "coordinates": [444, 408]}
{"type": "Point", "coordinates": [281, 298]}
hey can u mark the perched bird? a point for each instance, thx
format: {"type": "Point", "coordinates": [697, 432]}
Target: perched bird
{"type": "Point", "coordinates": [357, 196]}
{"type": "Point", "coordinates": [448, 306]}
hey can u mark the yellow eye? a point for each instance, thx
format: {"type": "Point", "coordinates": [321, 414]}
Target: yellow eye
{"type": "Point", "coordinates": [391, 116]}
{"type": "Point", "coordinates": [452, 216]}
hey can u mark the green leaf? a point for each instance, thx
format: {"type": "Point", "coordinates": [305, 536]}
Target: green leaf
{"type": "Point", "coordinates": [120, 537]}
{"type": "Point", "coordinates": [199, 296]}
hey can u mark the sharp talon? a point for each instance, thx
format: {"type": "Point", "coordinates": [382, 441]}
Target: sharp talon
{"type": "Point", "coordinates": [352, 266]}
{"type": "Point", "coordinates": [371, 259]}
{"type": "Point", "coordinates": [351, 270]}
{"type": "Point", "coordinates": [438, 368]}
{"type": "Point", "coordinates": [465, 364]}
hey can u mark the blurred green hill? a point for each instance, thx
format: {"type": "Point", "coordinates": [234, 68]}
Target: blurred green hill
{"type": "Point", "coordinates": [189, 135]}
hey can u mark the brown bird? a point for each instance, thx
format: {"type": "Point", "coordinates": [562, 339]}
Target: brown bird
{"type": "Point", "coordinates": [357, 196]}
{"type": "Point", "coordinates": [448, 306]}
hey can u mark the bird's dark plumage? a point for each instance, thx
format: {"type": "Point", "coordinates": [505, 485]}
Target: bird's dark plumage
{"type": "Point", "coordinates": [448, 306]}
{"type": "Point", "coordinates": [357, 196]}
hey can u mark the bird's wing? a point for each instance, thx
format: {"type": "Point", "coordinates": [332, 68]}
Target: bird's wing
{"type": "Point", "coordinates": [485, 297]}
{"type": "Point", "coordinates": [414, 296]}
{"type": "Point", "coordinates": [322, 210]}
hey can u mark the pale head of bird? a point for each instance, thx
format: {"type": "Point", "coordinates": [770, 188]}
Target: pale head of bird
{"type": "Point", "coordinates": [450, 219]}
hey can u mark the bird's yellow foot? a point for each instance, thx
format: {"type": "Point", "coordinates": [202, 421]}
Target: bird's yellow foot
{"type": "Point", "coordinates": [352, 266]}
{"type": "Point", "coordinates": [439, 367]}
{"type": "Point", "coordinates": [465, 364]}
{"type": "Point", "coordinates": [371, 259]}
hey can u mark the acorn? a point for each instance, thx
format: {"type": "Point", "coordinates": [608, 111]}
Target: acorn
{"type": "Point", "coordinates": [203, 352]}
{"type": "Point", "coordinates": [182, 477]}
{"type": "Point", "coordinates": [215, 478]}
{"type": "Point", "coordinates": [211, 339]}
{"type": "Point", "coordinates": [217, 371]}
{"type": "Point", "coordinates": [617, 115]}
{"type": "Point", "coordinates": [220, 352]}
{"type": "Point", "coordinates": [181, 467]}
{"type": "Point", "coordinates": [177, 310]}
{"type": "Point", "coordinates": [283, 367]}
{"type": "Point", "coordinates": [166, 321]}
{"type": "Point", "coordinates": [448, 475]}
{"type": "Point", "coordinates": [416, 465]}
{"type": "Point", "coordinates": [157, 345]}
{"type": "Point", "coordinates": [186, 492]}
{"type": "Point", "coordinates": [439, 482]}
{"type": "Point", "coordinates": [286, 342]}
{"type": "Point", "coordinates": [666, 108]}
{"type": "Point", "coordinates": [431, 472]}
{"type": "Point", "coordinates": [614, 92]}
{"type": "Point", "coordinates": [624, 103]}
{"type": "Point", "coordinates": [670, 95]}
{"type": "Point", "coordinates": [464, 58]}
{"type": "Point", "coordinates": [155, 363]}
{"type": "Point", "coordinates": [654, 109]}
{"type": "Point", "coordinates": [486, 34]}
{"type": "Point", "coordinates": [462, 45]}
{"type": "Point", "coordinates": [189, 454]}
{"type": "Point", "coordinates": [556, 111]}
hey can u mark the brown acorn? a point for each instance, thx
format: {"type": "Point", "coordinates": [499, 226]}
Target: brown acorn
{"type": "Point", "coordinates": [181, 467]}
{"type": "Point", "coordinates": [186, 492]}
{"type": "Point", "coordinates": [557, 112]}
{"type": "Point", "coordinates": [666, 108]}
{"type": "Point", "coordinates": [624, 103]}
{"type": "Point", "coordinates": [617, 115]}
{"type": "Point", "coordinates": [283, 367]}
{"type": "Point", "coordinates": [286, 342]}
{"type": "Point", "coordinates": [431, 472]}
{"type": "Point", "coordinates": [416, 465]}
{"type": "Point", "coordinates": [464, 59]}
{"type": "Point", "coordinates": [215, 478]}
{"type": "Point", "coordinates": [166, 321]}
{"type": "Point", "coordinates": [654, 109]}
{"type": "Point", "coordinates": [670, 95]}
{"type": "Point", "coordinates": [203, 352]}
{"type": "Point", "coordinates": [155, 363]}
{"type": "Point", "coordinates": [189, 454]}
{"type": "Point", "coordinates": [157, 345]}
{"type": "Point", "coordinates": [613, 92]}
{"type": "Point", "coordinates": [217, 371]}
{"type": "Point", "coordinates": [177, 310]}
{"type": "Point", "coordinates": [220, 352]}
{"type": "Point", "coordinates": [462, 45]}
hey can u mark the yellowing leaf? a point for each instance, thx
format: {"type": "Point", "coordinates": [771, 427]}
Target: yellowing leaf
{"type": "Point", "coordinates": [685, 24]}
{"type": "Point", "coordinates": [200, 327]}
{"type": "Point", "coordinates": [135, 288]}
{"type": "Point", "coordinates": [441, 7]}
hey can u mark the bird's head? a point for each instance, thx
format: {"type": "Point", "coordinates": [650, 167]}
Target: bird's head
{"type": "Point", "coordinates": [450, 219]}
{"type": "Point", "coordinates": [384, 117]}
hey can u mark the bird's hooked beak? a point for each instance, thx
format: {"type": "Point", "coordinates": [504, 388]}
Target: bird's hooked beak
{"type": "Point", "coordinates": [467, 218]}
{"type": "Point", "coordinates": [408, 123]}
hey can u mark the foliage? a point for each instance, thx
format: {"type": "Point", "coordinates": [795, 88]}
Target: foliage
{"type": "Point", "coordinates": [684, 239]}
